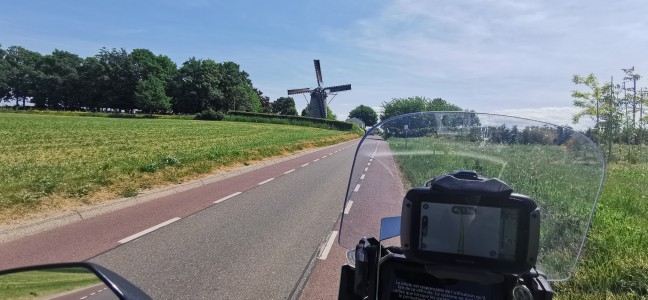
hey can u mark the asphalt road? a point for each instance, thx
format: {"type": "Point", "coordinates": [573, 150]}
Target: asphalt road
{"type": "Point", "coordinates": [254, 245]}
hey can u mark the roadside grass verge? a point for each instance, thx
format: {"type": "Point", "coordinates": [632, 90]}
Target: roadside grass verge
{"type": "Point", "coordinates": [614, 262]}
{"type": "Point", "coordinates": [41, 284]}
{"type": "Point", "coordinates": [53, 163]}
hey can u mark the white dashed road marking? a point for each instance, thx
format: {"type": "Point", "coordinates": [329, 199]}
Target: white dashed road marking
{"type": "Point", "coordinates": [348, 207]}
{"type": "Point", "coordinates": [265, 181]}
{"type": "Point", "coordinates": [226, 197]}
{"type": "Point", "coordinates": [328, 246]}
{"type": "Point", "coordinates": [289, 171]}
{"type": "Point", "coordinates": [357, 188]}
{"type": "Point", "coordinates": [143, 232]}
{"type": "Point", "coordinates": [306, 164]}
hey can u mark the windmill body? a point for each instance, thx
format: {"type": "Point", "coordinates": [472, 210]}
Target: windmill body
{"type": "Point", "coordinates": [318, 95]}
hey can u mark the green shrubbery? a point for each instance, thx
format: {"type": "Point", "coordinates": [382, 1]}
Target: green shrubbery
{"type": "Point", "coordinates": [209, 115]}
{"type": "Point", "coordinates": [242, 116]}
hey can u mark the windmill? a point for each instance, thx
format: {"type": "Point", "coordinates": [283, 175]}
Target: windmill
{"type": "Point", "coordinates": [317, 105]}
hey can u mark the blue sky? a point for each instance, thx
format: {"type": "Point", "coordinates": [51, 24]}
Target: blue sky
{"type": "Point", "coordinates": [505, 56]}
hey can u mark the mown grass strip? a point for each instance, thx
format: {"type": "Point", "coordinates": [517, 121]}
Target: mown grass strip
{"type": "Point", "coordinates": [41, 284]}
{"type": "Point", "coordinates": [54, 162]}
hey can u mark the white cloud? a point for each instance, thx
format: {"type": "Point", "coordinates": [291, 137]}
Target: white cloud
{"type": "Point", "coordinates": [494, 54]}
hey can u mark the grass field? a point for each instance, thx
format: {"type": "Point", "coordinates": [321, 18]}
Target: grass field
{"type": "Point", "coordinates": [41, 284]}
{"type": "Point", "coordinates": [614, 264]}
{"type": "Point", "coordinates": [56, 162]}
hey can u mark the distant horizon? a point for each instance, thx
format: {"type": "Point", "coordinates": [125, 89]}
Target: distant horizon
{"type": "Point", "coordinates": [495, 56]}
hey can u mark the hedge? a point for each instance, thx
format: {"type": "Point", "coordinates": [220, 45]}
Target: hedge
{"type": "Point", "coordinates": [297, 120]}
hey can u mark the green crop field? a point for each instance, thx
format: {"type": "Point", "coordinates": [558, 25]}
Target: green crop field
{"type": "Point", "coordinates": [614, 263]}
{"type": "Point", "coordinates": [53, 162]}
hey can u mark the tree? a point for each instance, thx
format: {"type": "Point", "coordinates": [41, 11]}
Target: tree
{"type": "Point", "coordinates": [238, 93]}
{"type": "Point", "coordinates": [92, 84]}
{"type": "Point", "coordinates": [58, 82]}
{"type": "Point", "coordinates": [602, 104]}
{"type": "Point", "coordinates": [264, 100]}
{"type": "Point", "coordinates": [284, 106]}
{"type": "Point", "coordinates": [329, 114]}
{"type": "Point", "coordinates": [151, 97]}
{"type": "Point", "coordinates": [22, 75]}
{"type": "Point", "coordinates": [120, 80]}
{"type": "Point", "coordinates": [4, 74]}
{"type": "Point", "coordinates": [196, 87]}
{"type": "Point", "coordinates": [366, 114]}
{"type": "Point", "coordinates": [399, 106]}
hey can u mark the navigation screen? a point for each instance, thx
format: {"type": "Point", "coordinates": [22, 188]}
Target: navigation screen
{"type": "Point", "coordinates": [489, 232]}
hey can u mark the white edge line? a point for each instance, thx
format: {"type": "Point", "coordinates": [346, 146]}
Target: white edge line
{"type": "Point", "coordinates": [289, 171]}
{"type": "Point", "coordinates": [328, 246]}
{"type": "Point", "coordinates": [265, 181]}
{"type": "Point", "coordinates": [143, 232]}
{"type": "Point", "coordinates": [357, 188]}
{"type": "Point", "coordinates": [348, 207]}
{"type": "Point", "coordinates": [316, 160]}
{"type": "Point", "coordinates": [226, 197]}
{"type": "Point", "coordinates": [306, 164]}
{"type": "Point", "coordinates": [362, 177]}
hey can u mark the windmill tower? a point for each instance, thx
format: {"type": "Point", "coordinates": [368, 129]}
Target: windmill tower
{"type": "Point", "coordinates": [317, 105]}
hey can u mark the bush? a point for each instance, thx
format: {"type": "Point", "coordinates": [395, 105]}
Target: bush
{"type": "Point", "coordinates": [209, 115]}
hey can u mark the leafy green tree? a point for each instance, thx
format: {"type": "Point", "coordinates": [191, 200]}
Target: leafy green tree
{"type": "Point", "coordinates": [58, 84]}
{"type": "Point", "coordinates": [264, 101]}
{"type": "Point", "coordinates": [329, 114]}
{"type": "Point", "coordinates": [22, 76]}
{"type": "Point", "coordinates": [399, 106]}
{"type": "Point", "coordinates": [438, 104]}
{"type": "Point", "coordinates": [366, 114]}
{"type": "Point", "coordinates": [284, 106]}
{"type": "Point", "coordinates": [120, 79]}
{"type": "Point", "coordinates": [195, 87]}
{"type": "Point", "coordinates": [4, 74]}
{"type": "Point", "coordinates": [238, 93]}
{"type": "Point", "coordinates": [92, 84]}
{"type": "Point", "coordinates": [151, 97]}
{"type": "Point", "coordinates": [602, 105]}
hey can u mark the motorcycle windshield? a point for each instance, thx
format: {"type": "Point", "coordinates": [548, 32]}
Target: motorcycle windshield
{"type": "Point", "coordinates": [561, 169]}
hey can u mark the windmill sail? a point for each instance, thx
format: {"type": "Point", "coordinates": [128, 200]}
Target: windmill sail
{"type": "Point", "coordinates": [318, 72]}
{"type": "Point", "coordinates": [338, 88]}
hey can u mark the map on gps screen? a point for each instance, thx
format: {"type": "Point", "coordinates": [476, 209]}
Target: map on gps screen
{"type": "Point", "coordinates": [461, 229]}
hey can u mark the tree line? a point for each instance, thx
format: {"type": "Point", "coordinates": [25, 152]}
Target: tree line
{"type": "Point", "coordinates": [616, 107]}
{"type": "Point", "coordinates": [121, 81]}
